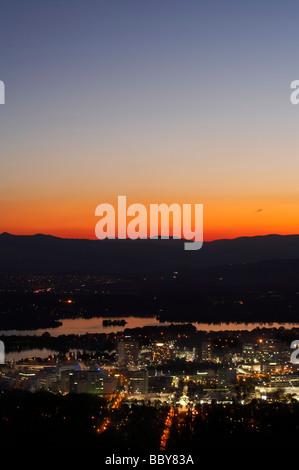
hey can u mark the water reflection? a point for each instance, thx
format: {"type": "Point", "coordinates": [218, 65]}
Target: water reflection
{"type": "Point", "coordinates": [80, 326]}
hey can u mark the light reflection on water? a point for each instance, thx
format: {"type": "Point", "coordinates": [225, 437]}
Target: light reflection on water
{"type": "Point", "coordinates": [80, 326]}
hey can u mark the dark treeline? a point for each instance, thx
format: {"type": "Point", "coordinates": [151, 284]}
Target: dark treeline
{"type": "Point", "coordinates": [61, 423]}
{"type": "Point", "coordinates": [268, 427]}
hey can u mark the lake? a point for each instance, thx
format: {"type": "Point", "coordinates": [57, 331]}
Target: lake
{"type": "Point", "coordinates": [80, 326]}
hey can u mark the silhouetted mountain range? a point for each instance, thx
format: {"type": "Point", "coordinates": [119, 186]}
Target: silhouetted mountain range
{"type": "Point", "coordinates": [40, 254]}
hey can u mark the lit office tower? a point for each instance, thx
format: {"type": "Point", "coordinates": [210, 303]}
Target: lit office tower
{"type": "Point", "coordinates": [95, 382]}
{"type": "Point", "coordinates": [78, 381]}
{"type": "Point", "coordinates": [66, 376]}
{"type": "Point", "coordinates": [274, 349]}
{"type": "Point", "coordinates": [206, 351]}
{"type": "Point", "coordinates": [128, 352]}
{"type": "Point", "coordinates": [248, 352]}
{"type": "Point", "coordinates": [161, 353]}
{"type": "Point", "coordinates": [138, 381]}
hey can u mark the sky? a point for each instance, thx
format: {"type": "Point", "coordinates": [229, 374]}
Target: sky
{"type": "Point", "coordinates": [164, 101]}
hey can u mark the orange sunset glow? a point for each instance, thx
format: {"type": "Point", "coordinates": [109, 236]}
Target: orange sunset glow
{"type": "Point", "coordinates": [222, 219]}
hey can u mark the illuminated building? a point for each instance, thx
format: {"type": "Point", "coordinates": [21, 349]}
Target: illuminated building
{"type": "Point", "coordinates": [161, 353]}
{"type": "Point", "coordinates": [138, 381]}
{"type": "Point", "coordinates": [77, 381]}
{"type": "Point", "coordinates": [248, 352]}
{"type": "Point", "coordinates": [272, 349]}
{"type": "Point", "coordinates": [95, 382]}
{"type": "Point", "coordinates": [186, 353]}
{"type": "Point", "coordinates": [206, 351]}
{"type": "Point", "coordinates": [184, 399]}
{"type": "Point", "coordinates": [128, 352]}
{"type": "Point", "coordinates": [65, 380]}
{"type": "Point", "coordinates": [284, 380]}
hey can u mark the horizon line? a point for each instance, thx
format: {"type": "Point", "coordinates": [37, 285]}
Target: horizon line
{"type": "Point", "coordinates": [145, 238]}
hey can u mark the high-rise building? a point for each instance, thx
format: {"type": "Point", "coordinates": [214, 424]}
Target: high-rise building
{"type": "Point", "coordinates": [206, 351]}
{"type": "Point", "coordinates": [128, 352]}
{"type": "Point", "coordinates": [138, 381]}
{"type": "Point", "coordinates": [66, 372]}
{"type": "Point", "coordinates": [78, 381]}
{"type": "Point", "coordinates": [248, 352]}
{"type": "Point", "coordinates": [161, 353]}
{"type": "Point", "coordinates": [66, 377]}
{"type": "Point", "coordinates": [271, 349]}
{"type": "Point", "coordinates": [95, 382]}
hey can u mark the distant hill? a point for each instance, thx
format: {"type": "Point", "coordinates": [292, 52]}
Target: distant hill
{"type": "Point", "coordinates": [37, 254]}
